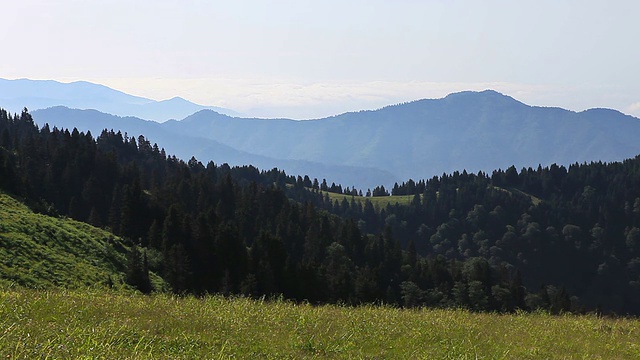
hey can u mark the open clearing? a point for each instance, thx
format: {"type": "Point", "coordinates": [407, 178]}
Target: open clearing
{"type": "Point", "coordinates": [377, 201]}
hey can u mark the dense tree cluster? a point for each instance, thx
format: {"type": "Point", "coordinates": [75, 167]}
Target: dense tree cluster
{"type": "Point", "coordinates": [575, 228]}
{"type": "Point", "coordinates": [529, 239]}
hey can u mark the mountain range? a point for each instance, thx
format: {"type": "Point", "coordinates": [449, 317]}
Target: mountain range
{"type": "Point", "coordinates": [475, 131]}
{"type": "Point", "coordinates": [39, 94]}
{"type": "Point", "coordinates": [468, 130]}
{"type": "Point", "coordinates": [185, 146]}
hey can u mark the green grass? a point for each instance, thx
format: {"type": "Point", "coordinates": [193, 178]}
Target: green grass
{"type": "Point", "coordinates": [41, 251]}
{"type": "Point", "coordinates": [380, 202]}
{"type": "Point", "coordinates": [104, 324]}
{"type": "Point", "coordinates": [534, 200]}
{"type": "Point", "coordinates": [377, 201]}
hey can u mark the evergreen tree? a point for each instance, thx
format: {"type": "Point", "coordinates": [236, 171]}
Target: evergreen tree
{"type": "Point", "coordinates": [138, 270]}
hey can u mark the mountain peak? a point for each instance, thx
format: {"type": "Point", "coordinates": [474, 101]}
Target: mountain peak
{"type": "Point", "coordinates": [485, 94]}
{"type": "Point", "coordinates": [203, 114]}
{"type": "Point", "coordinates": [482, 98]}
{"type": "Point", "coordinates": [175, 99]}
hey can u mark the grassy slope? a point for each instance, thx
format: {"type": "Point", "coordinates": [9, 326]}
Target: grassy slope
{"type": "Point", "coordinates": [377, 201]}
{"type": "Point", "coordinates": [42, 251]}
{"type": "Point", "coordinates": [103, 324]}
{"type": "Point", "coordinates": [534, 200]}
{"type": "Point", "coordinates": [381, 202]}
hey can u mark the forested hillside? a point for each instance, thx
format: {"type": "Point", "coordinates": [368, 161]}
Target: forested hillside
{"type": "Point", "coordinates": [529, 239]}
{"type": "Point", "coordinates": [575, 227]}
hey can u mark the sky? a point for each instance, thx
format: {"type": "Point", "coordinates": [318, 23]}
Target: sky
{"type": "Point", "coordinates": [307, 59]}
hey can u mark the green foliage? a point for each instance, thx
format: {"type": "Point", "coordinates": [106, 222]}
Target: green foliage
{"type": "Point", "coordinates": [110, 325]}
{"type": "Point", "coordinates": [572, 228]}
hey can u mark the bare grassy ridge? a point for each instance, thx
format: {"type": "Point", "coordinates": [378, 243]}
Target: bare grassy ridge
{"type": "Point", "coordinates": [381, 202]}
{"type": "Point", "coordinates": [377, 201]}
{"type": "Point", "coordinates": [103, 324]}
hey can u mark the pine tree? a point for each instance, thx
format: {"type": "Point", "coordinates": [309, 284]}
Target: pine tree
{"type": "Point", "coordinates": [138, 270]}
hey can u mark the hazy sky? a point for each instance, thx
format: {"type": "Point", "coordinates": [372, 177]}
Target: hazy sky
{"type": "Point", "coordinates": [306, 59]}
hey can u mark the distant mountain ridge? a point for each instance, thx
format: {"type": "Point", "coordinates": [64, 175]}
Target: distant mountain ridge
{"type": "Point", "coordinates": [468, 130]}
{"type": "Point", "coordinates": [474, 131]}
{"type": "Point", "coordinates": [40, 94]}
{"type": "Point", "coordinates": [204, 149]}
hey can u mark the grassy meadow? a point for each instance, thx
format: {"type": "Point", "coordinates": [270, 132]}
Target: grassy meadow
{"type": "Point", "coordinates": [108, 324]}
{"type": "Point", "coordinates": [379, 202]}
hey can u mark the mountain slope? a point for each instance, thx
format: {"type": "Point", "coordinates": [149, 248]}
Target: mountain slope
{"type": "Point", "coordinates": [469, 130]}
{"type": "Point", "coordinates": [185, 146]}
{"type": "Point", "coordinates": [40, 94]}
{"type": "Point", "coordinates": [42, 251]}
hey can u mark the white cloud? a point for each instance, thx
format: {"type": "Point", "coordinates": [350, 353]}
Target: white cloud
{"type": "Point", "coordinates": [634, 109]}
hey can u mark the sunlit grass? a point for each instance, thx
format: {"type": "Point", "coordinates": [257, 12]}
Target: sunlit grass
{"type": "Point", "coordinates": [103, 324]}
{"type": "Point", "coordinates": [380, 202]}
{"type": "Point", "coordinates": [40, 251]}
{"type": "Point", "coordinates": [377, 201]}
